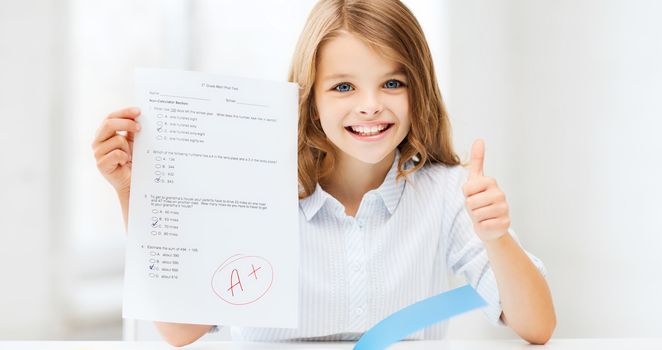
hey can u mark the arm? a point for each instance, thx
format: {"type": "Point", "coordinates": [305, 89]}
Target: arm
{"type": "Point", "coordinates": [123, 197]}
{"type": "Point", "coordinates": [524, 295]}
{"type": "Point", "coordinates": [180, 334]}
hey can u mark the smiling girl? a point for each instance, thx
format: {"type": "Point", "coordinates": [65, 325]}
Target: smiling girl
{"type": "Point", "coordinates": [385, 207]}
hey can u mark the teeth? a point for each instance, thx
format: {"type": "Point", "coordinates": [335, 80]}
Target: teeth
{"type": "Point", "coordinates": [369, 130]}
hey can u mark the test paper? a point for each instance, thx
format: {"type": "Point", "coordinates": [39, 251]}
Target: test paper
{"type": "Point", "coordinates": [213, 231]}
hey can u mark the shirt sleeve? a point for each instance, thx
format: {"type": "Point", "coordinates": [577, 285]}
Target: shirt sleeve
{"type": "Point", "coordinates": [466, 255]}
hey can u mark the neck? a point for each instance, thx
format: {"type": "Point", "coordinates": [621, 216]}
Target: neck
{"type": "Point", "coordinates": [352, 178]}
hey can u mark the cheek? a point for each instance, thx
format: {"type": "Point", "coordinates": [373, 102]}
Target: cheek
{"type": "Point", "coordinates": [404, 107]}
{"type": "Point", "coordinates": [326, 123]}
{"type": "Point", "coordinates": [322, 109]}
{"type": "Point", "coordinates": [331, 112]}
{"type": "Point", "coordinates": [405, 128]}
{"type": "Point", "coordinates": [403, 114]}
{"type": "Point", "coordinates": [399, 105]}
{"type": "Point", "coordinates": [329, 120]}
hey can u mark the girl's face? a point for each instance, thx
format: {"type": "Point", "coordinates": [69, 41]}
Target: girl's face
{"type": "Point", "coordinates": [361, 99]}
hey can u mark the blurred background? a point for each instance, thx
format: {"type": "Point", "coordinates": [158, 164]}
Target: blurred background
{"type": "Point", "coordinates": [567, 95]}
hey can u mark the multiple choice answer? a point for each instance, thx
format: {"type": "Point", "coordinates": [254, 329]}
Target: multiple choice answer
{"type": "Point", "coordinates": [165, 162]}
{"type": "Point", "coordinates": [164, 262]}
{"type": "Point", "coordinates": [164, 168]}
{"type": "Point", "coordinates": [164, 223]}
{"type": "Point", "coordinates": [178, 124]}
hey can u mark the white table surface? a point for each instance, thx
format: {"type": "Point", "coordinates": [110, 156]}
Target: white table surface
{"type": "Point", "coordinates": [556, 344]}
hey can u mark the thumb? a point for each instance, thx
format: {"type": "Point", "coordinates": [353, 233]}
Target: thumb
{"type": "Point", "coordinates": [477, 157]}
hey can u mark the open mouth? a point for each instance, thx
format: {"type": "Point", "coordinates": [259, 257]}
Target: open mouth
{"type": "Point", "coordinates": [369, 130]}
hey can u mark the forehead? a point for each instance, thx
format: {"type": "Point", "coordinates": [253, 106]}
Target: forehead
{"type": "Point", "coordinates": [346, 54]}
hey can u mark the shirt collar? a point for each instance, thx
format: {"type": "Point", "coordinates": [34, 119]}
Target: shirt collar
{"type": "Point", "coordinates": [390, 192]}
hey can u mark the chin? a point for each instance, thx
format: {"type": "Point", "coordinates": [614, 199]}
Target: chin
{"type": "Point", "coordinates": [370, 157]}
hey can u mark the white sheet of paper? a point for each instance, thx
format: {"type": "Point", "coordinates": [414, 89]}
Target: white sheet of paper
{"type": "Point", "coordinates": [213, 232]}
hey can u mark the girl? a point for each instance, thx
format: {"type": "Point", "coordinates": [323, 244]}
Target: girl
{"type": "Point", "coordinates": [386, 209]}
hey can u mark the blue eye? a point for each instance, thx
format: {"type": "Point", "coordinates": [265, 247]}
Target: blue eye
{"type": "Point", "coordinates": [393, 84]}
{"type": "Point", "coordinates": [342, 87]}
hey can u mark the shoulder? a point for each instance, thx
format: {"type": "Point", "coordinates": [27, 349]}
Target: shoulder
{"type": "Point", "coordinates": [440, 176]}
{"type": "Point", "coordinates": [436, 190]}
{"type": "Point", "coordinates": [437, 185]}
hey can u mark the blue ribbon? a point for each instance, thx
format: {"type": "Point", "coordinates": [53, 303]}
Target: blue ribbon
{"type": "Point", "coordinates": [420, 315]}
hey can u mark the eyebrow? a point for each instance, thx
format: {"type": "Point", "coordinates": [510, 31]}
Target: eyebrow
{"type": "Point", "coordinates": [344, 75]}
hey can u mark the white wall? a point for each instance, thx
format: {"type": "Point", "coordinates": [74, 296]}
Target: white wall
{"type": "Point", "coordinates": [567, 95]}
{"type": "Point", "coordinates": [27, 98]}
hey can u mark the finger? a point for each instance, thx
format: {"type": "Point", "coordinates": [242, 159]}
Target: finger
{"type": "Point", "coordinates": [130, 113]}
{"type": "Point", "coordinates": [110, 127]}
{"type": "Point", "coordinates": [109, 163]}
{"type": "Point", "coordinates": [125, 113]}
{"type": "Point", "coordinates": [502, 223]}
{"type": "Point", "coordinates": [484, 199]}
{"type": "Point", "coordinates": [492, 211]}
{"type": "Point", "coordinates": [115, 142]}
{"type": "Point", "coordinates": [478, 185]}
{"type": "Point", "coordinates": [477, 156]}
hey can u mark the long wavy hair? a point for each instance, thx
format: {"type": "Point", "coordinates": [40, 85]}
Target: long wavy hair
{"type": "Point", "coordinates": [390, 28]}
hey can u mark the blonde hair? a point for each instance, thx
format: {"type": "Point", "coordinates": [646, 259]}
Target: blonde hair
{"type": "Point", "coordinates": [390, 28]}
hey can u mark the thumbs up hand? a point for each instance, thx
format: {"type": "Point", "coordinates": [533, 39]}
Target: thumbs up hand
{"type": "Point", "coordinates": [485, 202]}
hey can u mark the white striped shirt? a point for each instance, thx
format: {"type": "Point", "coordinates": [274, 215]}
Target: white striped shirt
{"type": "Point", "coordinates": [397, 250]}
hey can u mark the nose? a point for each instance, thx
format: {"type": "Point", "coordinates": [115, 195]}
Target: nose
{"type": "Point", "coordinates": [369, 104]}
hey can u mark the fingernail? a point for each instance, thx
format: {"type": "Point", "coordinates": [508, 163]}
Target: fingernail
{"type": "Point", "coordinates": [138, 127]}
{"type": "Point", "coordinates": [135, 110]}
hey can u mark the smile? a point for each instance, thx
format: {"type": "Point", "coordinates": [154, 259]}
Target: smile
{"type": "Point", "coordinates": [372, 130]}
{"type": "Point", "coordinates": [372, 133]}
